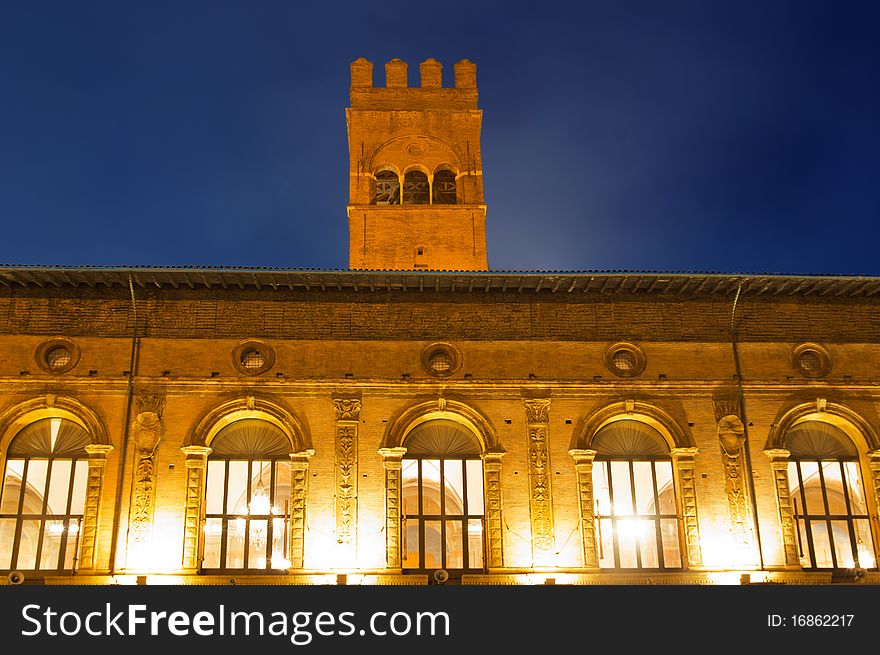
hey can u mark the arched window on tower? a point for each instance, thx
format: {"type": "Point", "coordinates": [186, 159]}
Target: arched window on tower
{"type": "Point", "coordinates": [387, 188]}
{"type": "Point", "coordinates": [442, 498]}
{"type": "Point", "coordinates": [415, 188]}
{"type": "Point", "coordinates": [247, 504]}
{"type": "Point", "coordinates": [443, 191]}
{"type": "Point", "coordinates": [830, 505]}
{"type": "Point", "coordinates": [636, 513]}
{"type": "Point", "coordinates": [43, 496]}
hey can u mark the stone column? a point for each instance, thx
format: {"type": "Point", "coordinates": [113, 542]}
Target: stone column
{"type": "Point", "coordinates": [683, 461]}
{"type": "Point", "coordinates": [299, 488]}
{"type": "Point", "coordinates": [89, 531]}
{"type": "Point", "coordinates": [583, 464]}
{"type": "Point", "coordinates": [540, 497]}
{"type": "Point", "coordinates": [196, 468]}
{"type": "Point", "coordinates": [779, 464]}
{"type": "Point", "coordinates": [347, 414]}
{"type": "Point", "coordinates": [494, 531]}
{"type": "Point", "coordinates": [391, 460]}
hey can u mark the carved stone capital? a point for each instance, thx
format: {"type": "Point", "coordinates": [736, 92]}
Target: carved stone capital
{"type": "Point", "coordinates": [347, 409]}
{"type": "Point", "coordinates": [683, 455]}
{"type": "Point", "coordinates": [537, 410]}
{"type": "Point", "coordinates": [300, 460]}
{"type": "Point", "coordinates": [98, 453]}
{"type": "Point", "coordinates": [778, 457]}
{"type": "Point", "coordinates": [196, 456]}
{"type": "Point", "coordinates": [391, 457]}
{"type": "Point", "coordinates": [582, 456]}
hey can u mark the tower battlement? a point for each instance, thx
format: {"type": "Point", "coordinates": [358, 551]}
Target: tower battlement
{"type": "Point", "coordinates": [416, 176]}
{"type": "Point", "coordinates": [398, 94]}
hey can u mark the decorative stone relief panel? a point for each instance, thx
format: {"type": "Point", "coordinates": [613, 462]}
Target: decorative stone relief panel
{"type": "Point", "coordinates": [540, 497]}
{"type": "Point", "coordinates": [347, 415]}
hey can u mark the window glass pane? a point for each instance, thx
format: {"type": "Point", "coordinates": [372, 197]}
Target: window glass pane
{"type": "Point", "coordinates": [433, 545]}
{"type": "Point", "coordinates": [665, 487]}
{"type": "Point", "coordinates": [793, 484]}
{"type": "Point", "coordinates": [214, 486]}
{"type": "Point", "coordinates": [261, 486]}
{"type": "Point", "coordinates": [842, 544]}
{"type": "Point", "coordinates": [7, 534]}
{"type": "Point", "coordinates": [803, 545]}
{"type": "Point", "coordinates": [644, 480]}
{"type": "Point", "coordinates": [864, 545]}
{"type": "Point", "coordinates": [854, 484]}
{"type": "Point", "coordinates": [621, 489]}
{"type": "Point", "coordinates": [475, 544]}
{"type": "Point", "coordinates": [454, 545]}
{"type": "Point", "coordinates": [12, 486]}
{"type": "Point", "coordinates": [59, 485]}
{"type": "Point", "coordinates": [600, 489]}
{"type": "Point", "coordinates": [812, 488]}
{"type": "Point", "coordinates": [453, 481]}
{"type": "Point", "coordinates": [53, 531]}
{"type": "Point", "coordinates": [236, 494]}
{"type": "Point", "coordinates": [213, 536]}
{"type": "Point", "coordinates": [259, 533]}
{"type": "Point", "coordinates": [409, 497]}
{"type": "Point", "coordinates": [475, 487]}
{"type": "Point", "coordinates": [821, 545]}
{"type": "Point", "coordinates": [648, 544]}
{"type": "Point", "coordinates": [27, 548]}
{"type": "Point", "coordinates": [411, 544]}
{"type": "Point", "coordinates": [671, 550]}
{"type": "Point", "coordinates": [431, 486]}
{"type": "Point", "coordinates": [35, 488]}
{"type": "Point", "coordinates": [80, 477]}
{"type": "Point", "coordinates": [279, 545]}
{"type": "Point", "coordinates": [235, 543]}
{"type": "Point", "coordinates": [606, 544]}
{"type": "Point", "coordinates": [72, 549]}
{"type": "Point", "coordinates": [281, 503]}
{"type": "Point", "coordinates": [627, 538]}
{"type": "Point", "coordinates": [834, 489]}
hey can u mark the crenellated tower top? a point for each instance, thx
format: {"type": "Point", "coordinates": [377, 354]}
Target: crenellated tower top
{"type": "Point", "coordinates": [416, 178]}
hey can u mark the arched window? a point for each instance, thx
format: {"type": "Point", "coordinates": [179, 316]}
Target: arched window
{"type": "Point", "coordinates": [387, 188]}
{"type": "Point", "coordinates": [830, 505]}
{"type": "Point", "coordinates": [636, 513]}
{"type": "Point", "coordinates": [415, 188]}
{"type": "Point", "coordinates": [247, 503]}
{"type": "Point", "coordinates": [442, 498]}
{"type": "Point", "coordinates": [43, 496]}
{"type": "Point", "coordinates": [443, 192]}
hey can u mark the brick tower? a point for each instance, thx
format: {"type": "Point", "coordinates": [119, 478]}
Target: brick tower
{"type": "Point", "coordinates": [416, 179]}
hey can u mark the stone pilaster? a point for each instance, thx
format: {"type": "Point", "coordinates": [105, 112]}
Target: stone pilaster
{"type": "Point", "coordinates": [540, 497]}
{"type": "Point", "coordinates": [146, 431]}
{"type": "Point", "coordinates": [299, 489]}
{"type": "Point", "coordinates": [347, 412]}
{"type": "Point", "coordinates": [392, 461]}
{"type": "Point", "coordinates": [683, 461]}
{"type": "Point", "coordinates": [89, 531]}
{"type": "Point", "coordinates": [731, 437]}
{"type": "Point", "coordinates": [494, 523]}
{"type": "Point", "coordinates": [779, 464]}
{"type": "Point", "coordinates": [583, 464]}
{"type": "Point", "coordinates": [196, 468]}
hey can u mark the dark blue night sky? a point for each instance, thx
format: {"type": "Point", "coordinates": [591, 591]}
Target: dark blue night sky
{"type": "Point", "coordinates": [712, 136]}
